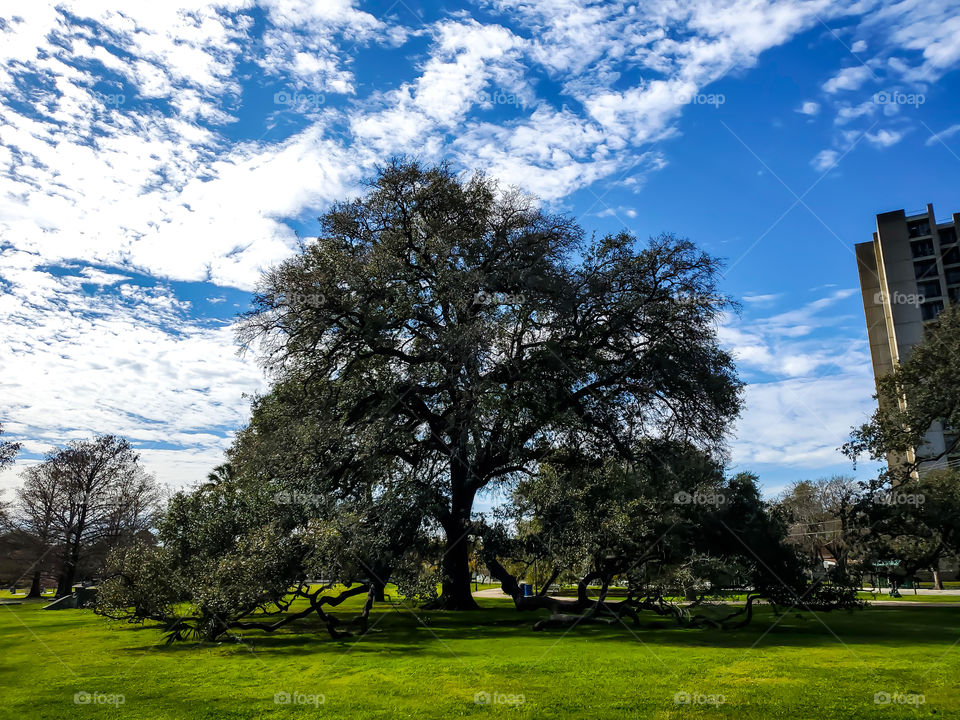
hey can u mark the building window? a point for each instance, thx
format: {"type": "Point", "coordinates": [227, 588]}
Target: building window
{"type": "Point", "coordinates": [930, 310]}
{"type": "Point", "coordinates": [951, 256]}
{"type": "Point", "coordinates": [925, 269]}
{"type": "Point", "coordinates": [918, 228]}
{"type": "Point", "coordinates": [954, 295]}
{"type": "Point", "coordinates": [953, 276]}
{"type": "Point", "coordinates": [922, 248]}
{"type": "Point", "coordinates": [929, 289]}
{"type": "Point", "coordinates": [948, 236]}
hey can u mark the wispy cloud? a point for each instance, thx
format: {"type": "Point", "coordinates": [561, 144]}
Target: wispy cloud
{"type": "Point", "coordinates": [943, 134]}
{"type": "Point", "coordinates": [185, 143]}
{"type": "Point", "coordinates": [809, 381]}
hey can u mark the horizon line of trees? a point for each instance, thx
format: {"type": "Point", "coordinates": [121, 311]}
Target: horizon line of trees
{"type": "Point", "coordinates": [871, 531]}
{"type": "Point", "coordinates": [73, 508]}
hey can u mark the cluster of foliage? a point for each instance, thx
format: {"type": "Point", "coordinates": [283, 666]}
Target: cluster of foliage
{"type": "Point", "coordinates": [443, 339]}
{"type": "Point", "coordinates": [8, 452]}
{"type": "Point", "coordinates": [922, 391]}
{"type": "Point", "coordinates": [909, 512]}
{"type": "Point", "coordinates": [866, 530]}
{"type": "Point", "coordinates": [668, 527]}
{"type": "Point", "coordinates": [75, 506]}
{"type": "Point", "coordinates": [238, 553]}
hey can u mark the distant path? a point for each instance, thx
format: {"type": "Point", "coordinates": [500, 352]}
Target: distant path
{"type": "Point", "coordinates": [498, 593]}
{"type": "Point", "coordinates": [919, 591]}
{"type": "Point", "coordinates": [901, 603]}
{"type": "Point", "coordinates": [491, 593]}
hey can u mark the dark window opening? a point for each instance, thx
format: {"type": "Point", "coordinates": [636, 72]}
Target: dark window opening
{"type": "Point", "coordinates": [929, 289]}
{"type": "Point", "coordinates": [922, 248]}
{"type": "Point", "coordinates": [930, 310]}
{"type": "Point", "coordinates": [918, 228]}
{"type": "Point", "coordinates": [948, 236]}
{"type": "Point", "coordinates": [925, 269]}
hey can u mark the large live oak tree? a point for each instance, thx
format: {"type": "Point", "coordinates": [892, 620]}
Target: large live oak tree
{"type": "Point", "coordinates": [438, 322]}
{"type": "Point", "coordinates": [669, 524]}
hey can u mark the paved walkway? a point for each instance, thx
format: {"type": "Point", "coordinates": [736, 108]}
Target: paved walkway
{"type": "Point", "coordinates": [879, 602]}
{"type": "Point", "coordinates": [490, 593]}
{"type": "Point", "coordinates": [919, 591]}
{"type": "Point", "coordinates": [901, 603]}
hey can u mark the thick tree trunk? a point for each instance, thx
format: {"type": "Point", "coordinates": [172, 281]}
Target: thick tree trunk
{"type": "Point", "coordinates": [35, 586]}
{"type": "Point", "coordinates": [69, 574]}
{"type": "Point", "coordinates": [456, 594]}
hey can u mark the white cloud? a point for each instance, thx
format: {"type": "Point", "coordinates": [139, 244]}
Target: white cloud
{"type": "Point", "coordinates": [859, 46]}
{"type": "Point", "coordinates": [300, 48]}
{"type": "Point", "coordinates": [127, 360]}
{"type": "Point", "coordinates": [850, 78]}
{"type": "Point", "coordinates": [617, 212]}
{"type": "Point", "coordinates": [884, 138]}
{"type": "Point", "coordinates": [101, 278]}
{"type": "Point", "coordinates": [120, 147]}
{"type": "Point", "coordinates": [825, 160]}
{"type": "Point", "coordinates": [846, 113]}
{"type": "Point", "coordinates": [785, 344]}
{"type": "Point", "coordinates": [762, 299]}
{"type": "Point", "coordinates": [801, 423]}
{"type": "Point", "coordinates": [810, 381]}
{"type": "Point", "coordinates": [927, 30]}
{"type": "Point", "coordinates": [943, 135]}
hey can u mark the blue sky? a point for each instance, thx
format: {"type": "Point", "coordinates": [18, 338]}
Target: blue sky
{"type": "Point", "coordinates": [154, 160]}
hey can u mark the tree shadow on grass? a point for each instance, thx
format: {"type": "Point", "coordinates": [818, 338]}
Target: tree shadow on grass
{"type": "Point", "coordinates": [435, 632]}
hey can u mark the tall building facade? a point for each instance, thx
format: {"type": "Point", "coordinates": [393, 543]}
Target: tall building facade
{"type": "Point", "coordinates": [909, 272]}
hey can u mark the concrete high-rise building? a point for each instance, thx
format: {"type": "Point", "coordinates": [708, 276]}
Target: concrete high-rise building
{"type": "Point", "coordinates": [908, 274]}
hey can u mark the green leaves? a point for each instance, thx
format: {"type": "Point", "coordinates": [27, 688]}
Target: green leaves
{"type": "Point", "coordinates": [923, 390]}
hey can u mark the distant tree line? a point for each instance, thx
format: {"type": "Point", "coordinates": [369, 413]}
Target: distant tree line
{"type": "Point", "coordinates": [72, 509]}
{"type": "Point", "coordinates": [874, 532]}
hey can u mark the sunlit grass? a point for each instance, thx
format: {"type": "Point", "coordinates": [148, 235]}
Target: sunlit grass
{"type": "Point", "coordinates": [424, 664]}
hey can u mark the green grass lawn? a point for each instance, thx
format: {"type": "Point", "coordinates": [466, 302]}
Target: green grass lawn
{"type": "Point", "coordinates": [434, 665]}
{"type": "Point", "coordinates": [908, 596]}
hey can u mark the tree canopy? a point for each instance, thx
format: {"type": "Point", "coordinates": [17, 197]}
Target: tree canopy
{"type": "Point", "coordinates": [444, 338]}
{"type": "Point", "coordinates": [81, 501]}
{"type": "Point", "coordinates": [8, 451]}
{"type": "Point", "coordinates": [458, 332]}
